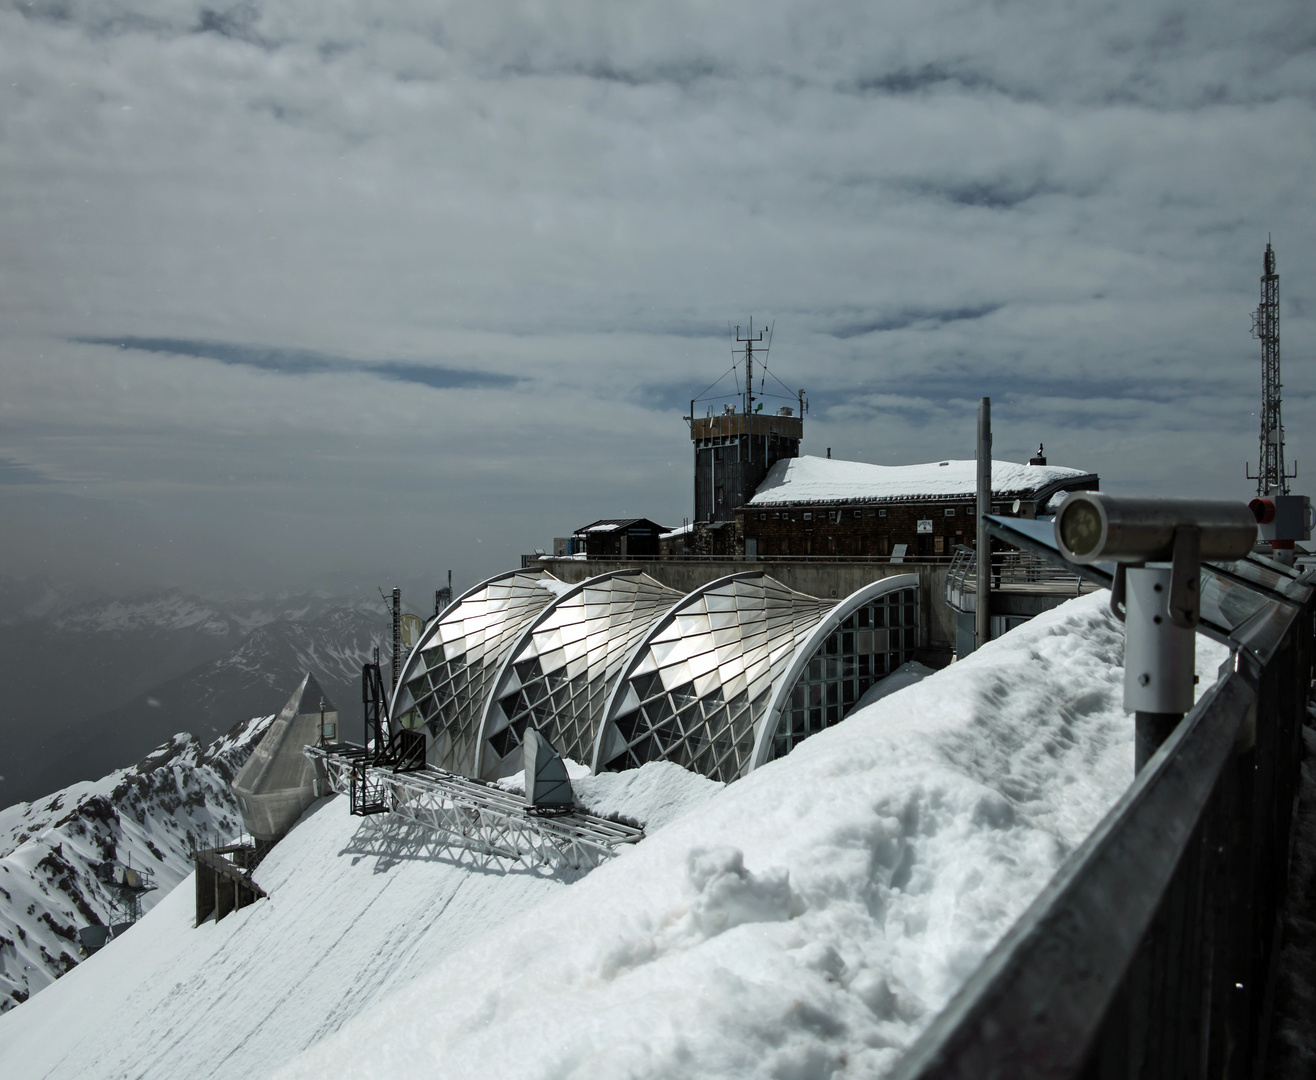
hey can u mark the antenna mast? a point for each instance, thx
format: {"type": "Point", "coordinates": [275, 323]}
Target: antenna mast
{"type": "Point", "coordinates": [1271, 478]}
{"type": "Point", "coordinates": [749, 341]}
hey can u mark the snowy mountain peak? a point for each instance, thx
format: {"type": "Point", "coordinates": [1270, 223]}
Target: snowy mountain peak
{"type": "Point", "coordinates": [53, 852]}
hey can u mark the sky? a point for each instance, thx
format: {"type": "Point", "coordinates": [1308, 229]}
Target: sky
{"type": "Point", "coordinates": [299, 293]}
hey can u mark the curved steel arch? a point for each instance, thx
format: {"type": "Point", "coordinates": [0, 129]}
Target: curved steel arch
{"type": "Point", "coordinates": [808, 648]}
{"type": "Point", "coordinates": [637, 654]}
{"type": "Point", "coordinates": [708, 723]}
{"type": "Point", "coordinates": [527, 636]}
{"type": "Point", "coordinates": [402, 700]}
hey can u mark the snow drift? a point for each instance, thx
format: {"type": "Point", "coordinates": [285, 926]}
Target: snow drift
{"type": "Point", "coordinates": [813, 917]}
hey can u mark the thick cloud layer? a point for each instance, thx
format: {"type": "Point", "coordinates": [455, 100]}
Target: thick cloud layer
{"type": "Point", "coordinates": [380, 288]}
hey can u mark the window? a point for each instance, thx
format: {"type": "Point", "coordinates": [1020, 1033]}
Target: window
{"type": "Point", "coordinates": [969, 511]}
{"type": "Point", "coordinates": [763, 517]}
{"type": "Point", "coordinates": [881, 513]}
{"type": "Point", "coordinates": [808, 515]}
{"type": "Point", "coordinates": [858, 514]}
{"type": "Point", "coordinates": [950, 511]}
{"type": "Point", "coordinates": [875, 640]}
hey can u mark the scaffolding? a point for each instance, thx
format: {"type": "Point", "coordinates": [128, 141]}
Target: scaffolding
{"type": "Point", "coordinates": [475, 814]}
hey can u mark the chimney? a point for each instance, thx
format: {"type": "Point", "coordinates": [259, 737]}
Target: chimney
{"type": "Point", "coordinates": [1039, 458]}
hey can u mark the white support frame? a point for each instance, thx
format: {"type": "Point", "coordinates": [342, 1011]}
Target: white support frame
{"type": "Point", "coordinates": [485, 817]}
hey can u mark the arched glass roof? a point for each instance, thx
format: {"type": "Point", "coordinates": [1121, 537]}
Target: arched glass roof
{"type": "Point", "coordinates": [448, 677]}
{"type": "Point", "coordinates": [619, 670]}
{"type": "Point", "coordinates": [700, 682]}
{"type": "Point", "coordinates": [558, 676]}
{"type": "Point", "coordinates": [865, 637]}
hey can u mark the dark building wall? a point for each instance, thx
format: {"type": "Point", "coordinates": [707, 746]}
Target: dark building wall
{"type": "Point", "coordinates": [733, 454]}
{"type": "Point", "coordinates": [860, 530]}
{"type": "Point", "coordinates": [636, 541]}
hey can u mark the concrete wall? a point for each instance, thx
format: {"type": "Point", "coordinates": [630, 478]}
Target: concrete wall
{"type": "Point", "coordinates": [825, 579]}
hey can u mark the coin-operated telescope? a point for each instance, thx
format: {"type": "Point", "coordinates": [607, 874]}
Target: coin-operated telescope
{"type": "Point", "coordinates": [1157, 546]}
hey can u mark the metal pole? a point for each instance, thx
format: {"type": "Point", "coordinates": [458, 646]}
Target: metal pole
{"type": "Point", "coordinates": [1159, 658]}
{"type": "Point", "coordinates": [396, 665]}
{"type": "Point", "coordinates": [983, 600]}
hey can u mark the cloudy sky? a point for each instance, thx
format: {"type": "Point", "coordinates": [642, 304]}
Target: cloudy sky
{"type": "Point", "coordinates": [294, 292]}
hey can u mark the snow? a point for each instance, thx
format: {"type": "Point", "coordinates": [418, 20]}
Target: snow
{"type": "Point", "coordinates": [907, 674]}
{"type": "Point", "coordinates": [810, 919]}
{"type": "Point", "coordinates": [806, 921]}
{"type": "Point", "coordinates": [357, 909]}
{"type": "Point", "coordinates": [820, 480]}
{"type": "Point", "coordinates": [556, 587]}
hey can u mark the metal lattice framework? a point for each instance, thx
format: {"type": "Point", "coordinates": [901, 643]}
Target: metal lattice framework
{"type": "Point", "coordinates": [560, 675]}
{"type": "Point", "coordinates": [1271, 478]}
{"type": "Point", "coordinates": [445, 685]}
{"type": "Point", "coordinates": [481, 816]}
{"type": "Point", "coordinates": [701, 679]}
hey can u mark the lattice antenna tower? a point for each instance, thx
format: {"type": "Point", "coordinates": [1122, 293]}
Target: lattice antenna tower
{"type": "Point", "coordinates": [1271, 478]}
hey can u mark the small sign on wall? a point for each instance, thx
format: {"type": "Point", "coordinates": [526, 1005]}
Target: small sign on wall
{"type": "Point", "coordinates": [925, 526]}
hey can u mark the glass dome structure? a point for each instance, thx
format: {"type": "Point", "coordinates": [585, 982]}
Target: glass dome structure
{"type": "Point", "coordinates": [558, 675]}
{"type": "Point", "coordinates": [447, 679]}
{"type": "Point", "coordinates": [711, 684]}
{"type": "Point", "coordinates": [619, 669]}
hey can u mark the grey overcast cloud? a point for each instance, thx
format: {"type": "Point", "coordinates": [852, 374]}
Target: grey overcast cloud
{"type": "Point", "coordinates": [300, 292]}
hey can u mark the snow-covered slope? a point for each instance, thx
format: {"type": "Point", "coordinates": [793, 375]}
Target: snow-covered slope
{"type": "Point", "coordinates": [812, 918]}
{"type": "Point", "coordinates": [357, 909]}
{"type": "Point", "coordinates": [806, 921]}
{"type": "Point", "coordinates": [151, 816]}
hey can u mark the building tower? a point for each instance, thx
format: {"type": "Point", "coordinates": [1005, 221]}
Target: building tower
{"type": "Point", "coordinates": [1271, 478]}
{"type": "Point", "coordinates": [735, 450]}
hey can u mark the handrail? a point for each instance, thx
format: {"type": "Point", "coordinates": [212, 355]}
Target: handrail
{"type": "Point", "coordinates": [1152, 951]}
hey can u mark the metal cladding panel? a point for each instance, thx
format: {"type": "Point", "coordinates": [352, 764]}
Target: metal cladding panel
{"type": "Point", "coordinates": [685, 701]}
{"type": "Point", "coordinates": [450, 674]}
{"type": "Point", "coordinates": [277, 783]}
{"type": "Point", "coordinates": [561, 691]}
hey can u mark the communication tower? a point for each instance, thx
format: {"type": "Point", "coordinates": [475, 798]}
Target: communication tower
{"type": "Point", "coordinates": [1283, 518]}
{"type": "Point", "coordinates": [1271, 478]}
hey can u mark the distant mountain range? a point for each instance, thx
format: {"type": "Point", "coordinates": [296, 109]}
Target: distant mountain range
{"type": "Point", "coordinates": [89, 688]}
{"type": "Point", "coordinates": [150, 816]}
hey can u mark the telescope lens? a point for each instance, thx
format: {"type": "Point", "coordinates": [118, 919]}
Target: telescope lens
{"type": "Point", "coordinates": [1080, 528]}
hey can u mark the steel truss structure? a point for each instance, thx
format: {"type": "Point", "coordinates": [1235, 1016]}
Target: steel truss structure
{"type": "Point", "coordinates": [474, 814]}
{"type": "Point", "coordinates": [1271, 477]}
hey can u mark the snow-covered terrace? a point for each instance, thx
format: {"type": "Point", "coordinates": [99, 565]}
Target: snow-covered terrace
{"type": "Point", "coordinates": [829, 480]}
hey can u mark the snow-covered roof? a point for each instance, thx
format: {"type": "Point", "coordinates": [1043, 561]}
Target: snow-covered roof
{"type": "Point", "coordinates": [821, 480]}
{"type": "Point", "coordinates": [604, 525]}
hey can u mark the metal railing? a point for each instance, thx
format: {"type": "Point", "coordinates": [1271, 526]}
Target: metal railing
{"type": "Point", "coordinates": [1010, 569]}
{"type": "Point", "coordinates": [528, 561]}
{"type": "Point", "coordinates": [1152, 953]}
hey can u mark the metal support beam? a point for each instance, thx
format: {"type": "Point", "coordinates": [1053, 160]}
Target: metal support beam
{"type": "Point", "coordinates": [483, 817]}
{"type": "Point", "coordinates": [983, 612]}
